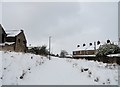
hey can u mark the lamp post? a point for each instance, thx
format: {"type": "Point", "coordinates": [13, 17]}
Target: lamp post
{"type": "Point", "coordinates": [49, 46]}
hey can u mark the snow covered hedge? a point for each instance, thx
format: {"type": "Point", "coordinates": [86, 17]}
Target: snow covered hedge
{"type": "Point", "coordinates": [107, 49]}
{"type": "Point", "coordinates": [42, 50]}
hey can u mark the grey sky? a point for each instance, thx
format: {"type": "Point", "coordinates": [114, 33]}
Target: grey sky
{"type": "Point", "coordinates": [69, 23]}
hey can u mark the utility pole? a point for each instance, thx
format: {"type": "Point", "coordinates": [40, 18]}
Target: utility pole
{"type": "Point", "coordinates": [49, 46]}
{"type": "Point", "coordinates": [95, 46]}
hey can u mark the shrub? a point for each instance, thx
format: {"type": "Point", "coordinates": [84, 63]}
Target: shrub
{"type": "Point", "coordinates": [107, 49]}
{"type": "Point", "coordinates": [39, 50]}
{"type": "Point", "coordinates": [63, 53]}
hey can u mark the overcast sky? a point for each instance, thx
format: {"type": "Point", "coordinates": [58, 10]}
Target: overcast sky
{"type": "Point", "coordinates": [69, 23]}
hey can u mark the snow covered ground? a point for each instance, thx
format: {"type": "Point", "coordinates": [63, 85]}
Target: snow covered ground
{"type": "Point", "coordinates": [30, 69]}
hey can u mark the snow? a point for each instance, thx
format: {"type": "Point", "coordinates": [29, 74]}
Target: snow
{"type": "Point", "coordinates": [30, 69]}
{"type": "Point", "coordinates": [9, 43]}
{"type": "Point", "coordinates": [12, 33]}
{"type": "Point", "coordinates": [2, 44]}
{"type": "Point", "coordinates": [68, 55]}
{"type": "Point", "coordinates": [114, 55]}
{"type": "Point", "coordinates": [86, 48]}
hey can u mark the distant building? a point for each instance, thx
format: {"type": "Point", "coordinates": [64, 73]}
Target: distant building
{"type": "Point", "coordinates": [80, 52]}
{"type": "Point", "coordinates": [84, 52]}
{"type": "Point", "coordinates": [13, 40]}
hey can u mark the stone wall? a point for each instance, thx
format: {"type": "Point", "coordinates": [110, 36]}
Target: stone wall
{"type": "Point", "coordinates": [18, 46]}
{"type": "Point", "coordinates": [20, 43]}
{"type": "Point", "coordinates": [8, 47]}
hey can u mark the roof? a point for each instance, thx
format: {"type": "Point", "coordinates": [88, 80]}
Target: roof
{"type": "Point", "coordinates": [2, 44]}
{"type": "Point", "coordinates": [114, 55]}
{"type": "Point", "coordinates": [6, 43]}
{"type": "Point", "coordinates": [12, 33]}
{"type": "Point", "coordinates": [9, 43]}
{"type": "Point", "coordinates": [2, 30]}
{"type": "Point", "coordinates": [84, 48]}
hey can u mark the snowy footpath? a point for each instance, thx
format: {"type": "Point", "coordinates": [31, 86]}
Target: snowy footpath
{"type": "Point", "coordinates": [30, 69]}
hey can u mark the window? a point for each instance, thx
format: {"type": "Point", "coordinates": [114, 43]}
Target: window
{"type": "Point", "coordinates": [10, 39]}
{"type": "Point", "coordinates": [74, 53]}
{"type": "Point", "coordinates": [3, 38]}
{"type": "Point", "coordinates": [24, 42]}
{"type": "Point", "coordinates": [79, 52]}
{"type": "Point", "coordinates": [19, 40]}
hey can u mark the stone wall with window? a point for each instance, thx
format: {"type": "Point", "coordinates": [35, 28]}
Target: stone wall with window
{"type": "Point", "coordinates": [10, 47]}
{"type": "Point", "coordinates": [21, 43]}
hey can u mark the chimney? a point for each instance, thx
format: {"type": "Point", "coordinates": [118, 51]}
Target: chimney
{"type": "Point", "coordinates": [22, 30]}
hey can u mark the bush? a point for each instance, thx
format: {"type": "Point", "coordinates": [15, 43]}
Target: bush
{"type": "Point", "coordinates": [107, 49]}
{"type": "Point", "coordinates": [39, 50]}
{"type": "Point", "coordinates": [63, 53]}
{"type": "Point", "coordinates": [43, 51]}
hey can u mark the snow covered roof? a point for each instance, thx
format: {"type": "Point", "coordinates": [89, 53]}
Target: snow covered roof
{"type": "Point", "coordinates": [2, 30]}
{"type": "Point", "coordinates": [84, 48]}
{"type": "Point", "coordinates": [9, 43]}
{"type": "Point", "coordinates": [68, 55]}
{"type": "Point", "coordinates": [114, 55]}
{"type": "Point", "coordinates": [12, 33]}
{"type": "Point", "coordinates": [2, 44]}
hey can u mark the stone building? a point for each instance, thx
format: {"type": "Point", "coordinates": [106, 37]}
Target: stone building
{"type": "Point", "coordinates": [13, 40]}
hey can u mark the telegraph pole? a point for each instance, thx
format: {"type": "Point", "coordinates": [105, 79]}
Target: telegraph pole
{"type": "Point", "coordinates": [95, 46]}
{"type": "Point", "coordinates": [49, 46]}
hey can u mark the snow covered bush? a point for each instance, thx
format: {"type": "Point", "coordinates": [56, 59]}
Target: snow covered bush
{"type": "Point", "coordinates": [39, 50]}
{"type": "Point", "coordinates": [107, 49]}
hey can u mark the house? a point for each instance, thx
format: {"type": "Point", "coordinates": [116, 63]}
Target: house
{"type": "Point", "coordinates": [14, 40]}
{"type": "Point", "coordinates": [84, 52]}
{"type": "Point", "coordinates": [81, 52]}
